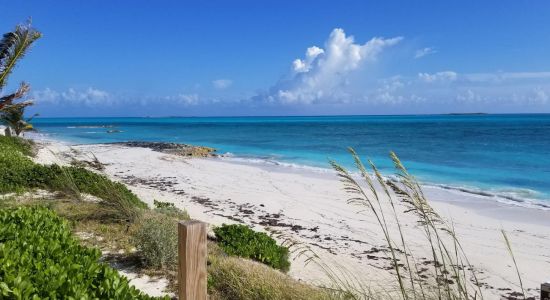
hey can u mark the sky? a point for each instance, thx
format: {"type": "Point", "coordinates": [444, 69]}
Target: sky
{"type": "Point", "coordinates": [255, 58]}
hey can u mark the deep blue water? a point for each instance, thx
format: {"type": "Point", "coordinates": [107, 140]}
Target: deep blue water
{"type": "Point", "coordinates": [504, 154]}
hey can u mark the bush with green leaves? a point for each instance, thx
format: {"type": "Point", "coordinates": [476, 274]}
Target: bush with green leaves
{"type": "Point", "coordinates": [242, 241]}
{"type": "Point", "coordinates": [156, 239]}
{"type": "Point", "coordinates": [40, 259]}
{"type": "Point", "coordinates": [8, 143]}
{"type": "Point", "coordinates": [18, 172]}
{"type": "Point", "coordinates": [169, 209]}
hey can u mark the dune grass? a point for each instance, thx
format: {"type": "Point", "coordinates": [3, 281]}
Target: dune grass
{"type": "Point", "coordinates": [18, 173]}
{"type": "Point", "coordinates": [450, 274]}
{"type": "Point", "coordinates": [231, 277]}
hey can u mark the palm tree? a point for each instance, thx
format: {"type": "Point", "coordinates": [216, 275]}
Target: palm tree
{"type": "Point", "coordinates": [13, 47]}
{"type": "Point", "coordinates": [14, 119]}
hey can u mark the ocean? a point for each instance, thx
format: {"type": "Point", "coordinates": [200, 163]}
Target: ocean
{"type": "Point", "coordinates": [500, 156]}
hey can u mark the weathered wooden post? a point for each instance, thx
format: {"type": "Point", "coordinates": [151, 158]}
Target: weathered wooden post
{"type": "Point", "coordinates": [192, 260]}
{"type": "Point", "coordinates": [545, 291]}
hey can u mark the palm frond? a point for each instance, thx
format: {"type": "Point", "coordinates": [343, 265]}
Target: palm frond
{"type": "Point", "coordinates": [13, 47]}
{"type": "Point", "coordinates": [20, 93]}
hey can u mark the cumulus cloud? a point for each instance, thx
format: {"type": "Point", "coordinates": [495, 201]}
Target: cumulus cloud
{"type": "Point", "coordinates": [423, 52]}
{"type": "Point", "coordinates": [188, 99]}
{"type": "Point", "coordinates": [89, 96]}
{"type": "Point", "coordinates": [323, 75]}
{"type": "Point", "coordinates": [222, 83]}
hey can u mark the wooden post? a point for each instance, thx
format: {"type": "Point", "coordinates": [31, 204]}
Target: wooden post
{"type": "Point", "coordinates": [192, 260]}
{"type": "Point", "coordinates": [545, 291]}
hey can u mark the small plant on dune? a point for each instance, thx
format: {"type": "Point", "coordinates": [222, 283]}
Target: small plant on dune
{"type": "Point", "coordinates": [169, 209]}
{"type": "Point", "coordinates": [231, 277]}
{"type": "Point", "coordinates": [242, 241]}
{"type": "Point", "coordinates": [15, 144]}
{"type": "Point", "coordinates": [156, 239]}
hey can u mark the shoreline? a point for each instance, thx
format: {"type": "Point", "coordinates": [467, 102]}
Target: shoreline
{"type": "Point", "coordinates": [469, 192]}
{"type": "Point", "coordinates": [311, 208]}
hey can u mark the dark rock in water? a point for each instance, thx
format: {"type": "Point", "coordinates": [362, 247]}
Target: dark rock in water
{"type": "Point", "coordinates": [173, 148]}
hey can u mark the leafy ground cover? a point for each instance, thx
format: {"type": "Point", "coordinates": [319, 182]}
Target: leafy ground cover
{"type": "Point", "coordinates": [40, 259]}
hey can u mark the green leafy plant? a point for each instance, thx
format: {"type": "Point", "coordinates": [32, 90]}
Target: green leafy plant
{"type": "Point", "coordinates": [242, 241]}
{"type": "Point", "coordinates": [14, 144]}
{"type": "Point", "coordinates": [18, 172]}
{"type": "Point", "coordinates": [169, 209]}
{"type": "Point", "coordinates": [40, 259]}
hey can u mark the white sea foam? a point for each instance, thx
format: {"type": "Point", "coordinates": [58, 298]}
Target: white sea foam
{"type": "Point", "coordinates": [91, 126]}
{"type": "Point", "coordinates": [270, 162]}
{"type": "Point", "coordinates": [510, 196]}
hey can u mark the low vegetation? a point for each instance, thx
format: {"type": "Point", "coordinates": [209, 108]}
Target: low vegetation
{"type": "Point", "coordinates": [170, 210]}
{"type": "Point", "coordinates": [231, 277]}
{"type": "Point", "coordinates": [13, 144]}
{"type": "Point", "coordinates": [39, 258]}
{"type": "Point", "coordinates": [19, 173]}
{"type": "Point", "coordinates": [242, 241]}
{"type": "Point", "coordinates": [157, 241]}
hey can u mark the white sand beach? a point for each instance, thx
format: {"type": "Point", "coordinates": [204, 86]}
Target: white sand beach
{"type": "Point", "coordinates": [310, 207]}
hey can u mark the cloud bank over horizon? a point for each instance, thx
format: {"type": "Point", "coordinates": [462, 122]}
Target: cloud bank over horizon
{"type": "Point", "coordinates": [341, 77]}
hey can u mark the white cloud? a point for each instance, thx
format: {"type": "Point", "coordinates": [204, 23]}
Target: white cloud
{"type": "Point", "coordinates": [445, 76]}
{"type": "Point", "coordinates": [222, 83]}
{"type": "Point", "coordinates": [424, 51]}
{"type": "Point", "coordinates": [541, 96]}
{"type": "Point", "coordinates": [468, 97]}
{"type": "Point", "coordinates": [89, 96]}
{"type": "Point", "coordinates": [503, 76]}
{"type": "Point", "coordinates": [188, 99]}
{"type": "Point", "coordinates": [304, 65]}
{"type": "Point", "coordinates": [46, 95]}
{"type": "Point", "coordinates": [324, 74]}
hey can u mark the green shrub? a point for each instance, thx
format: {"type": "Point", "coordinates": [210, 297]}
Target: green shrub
{"type": "Point", "coordinates": [40, 259]}
{"type": "Point", "coordinates": [8, 143]}
{"type": "Point", "coordinates": [169, 209]}
{"type": "Point", "coordinates": [156, 239]}
{"type": "Point", "coordinates": [244, 242]}
{"type": "Point", "coordinates": [18, 172]}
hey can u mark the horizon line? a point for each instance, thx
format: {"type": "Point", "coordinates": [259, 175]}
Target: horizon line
{"type": "Point", "coordinates": [296, 116]}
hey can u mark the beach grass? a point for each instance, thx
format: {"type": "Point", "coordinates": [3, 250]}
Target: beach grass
{"type": "Point", "coordinates": [450, 274]}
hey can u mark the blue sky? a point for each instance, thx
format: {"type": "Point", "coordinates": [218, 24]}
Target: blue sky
{"type": "Point", "coordinates": [204, 58]}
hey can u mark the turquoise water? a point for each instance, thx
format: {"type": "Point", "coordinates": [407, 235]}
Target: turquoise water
{"type": "Point", "coordinates": [504, 155]}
